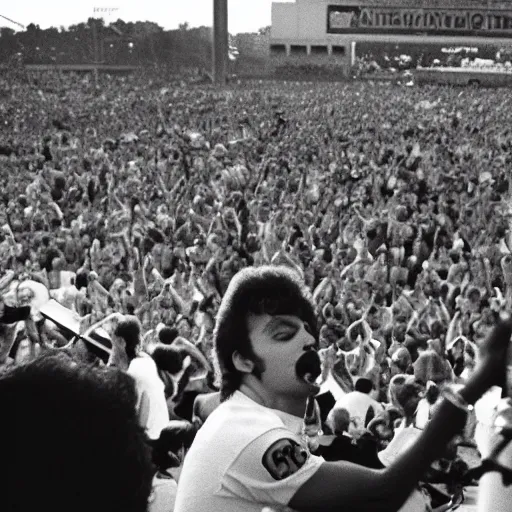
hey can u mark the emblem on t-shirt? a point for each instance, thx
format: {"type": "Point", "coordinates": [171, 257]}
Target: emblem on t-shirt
{"type": "Point", "coordinates": [284, 458]}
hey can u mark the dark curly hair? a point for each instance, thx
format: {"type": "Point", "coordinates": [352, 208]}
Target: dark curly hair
{"type": "Point", "coordinates": [273, 290]}
{"type": "Point", "coordinates": [129, 329]}
{"type": "Point", "coordinates": [73, 438]}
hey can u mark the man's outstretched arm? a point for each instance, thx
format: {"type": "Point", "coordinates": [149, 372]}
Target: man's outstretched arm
{"type": "Point", "coordinates": [345, 486]}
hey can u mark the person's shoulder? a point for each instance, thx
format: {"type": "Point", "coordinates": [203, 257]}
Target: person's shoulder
{"type": "Point", "coordinates": [207, 402]}
{"type": "Point", "coordinates": [346, 398]}
{"type": "Point", "coordinates": [141, 363]}
{"type": "Point", "coordinates": [376, 404]}
{"type": "Point", "coordinates": [241, 410]}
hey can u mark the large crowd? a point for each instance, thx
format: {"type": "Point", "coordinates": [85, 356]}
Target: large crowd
{"type": "Point", "coordinates": [143, 197]}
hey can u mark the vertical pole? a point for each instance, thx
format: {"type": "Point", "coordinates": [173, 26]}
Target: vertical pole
{"type": "Point", "coordinates": [352, 61]}
{"type": "Point", "coordinates": [102, 49]}
{"type": "Point", "coordinates": [95, 49]}
{"type": "Point", "coordinates": [220, 41]}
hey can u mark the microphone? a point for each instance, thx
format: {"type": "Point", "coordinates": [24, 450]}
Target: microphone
{"type": "Point", "coordinates": [312, 424]}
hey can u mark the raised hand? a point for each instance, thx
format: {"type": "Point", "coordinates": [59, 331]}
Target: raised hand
{"type": "Point", "coordinates": [491, 362]}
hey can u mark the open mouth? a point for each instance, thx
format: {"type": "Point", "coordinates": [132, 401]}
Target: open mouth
{"type": "Point", "coordinates": [308, 367]}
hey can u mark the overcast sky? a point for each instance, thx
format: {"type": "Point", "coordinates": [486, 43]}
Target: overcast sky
{"type": "Point", "coordinates": [244, 15]}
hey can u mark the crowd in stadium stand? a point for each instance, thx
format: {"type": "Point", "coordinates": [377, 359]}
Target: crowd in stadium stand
{"type": "Point", "coordinates": [135, 204]}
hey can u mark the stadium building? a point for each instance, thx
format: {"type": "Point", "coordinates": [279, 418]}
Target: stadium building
{"type": "Point", "coordinates": [336, 32]}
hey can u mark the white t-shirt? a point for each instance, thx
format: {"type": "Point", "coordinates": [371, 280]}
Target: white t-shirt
{"type": "Point", "coordinates": [143, 369]}
{"type": "Point", "coordinates": [225, 469]}
{"type": "Point", "coordinates": [163, 495]}
{"type": "Point", "coordinates": [357, 405]}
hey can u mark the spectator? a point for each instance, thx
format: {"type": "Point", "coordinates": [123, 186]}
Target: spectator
{"type": "Point", "coordinates": [88, 449]}
{"type": "Point", "coordinates": [151, 405]}
{"type": "Point", "coordinates": [362, 408]}
{"type": "Point", "coordinates": [116, 214]}
{"type": "Point", "coordinates": [268, 463]}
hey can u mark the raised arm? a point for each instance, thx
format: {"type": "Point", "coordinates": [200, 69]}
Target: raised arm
{"type": "Point", "coordinates": [345, 486]}
{"type": "Point", "coordinates": [103, 321]}
{"type": "Point", "coordinates": [452, 328]}
{"type": "Point", "coordinates": [192, 351]}
{"type": "Point", "coordinates": [99, 288]}
{"type": "Point", "coordinates": [182, 305]}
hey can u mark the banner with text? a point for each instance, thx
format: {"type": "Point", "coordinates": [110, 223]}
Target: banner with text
{"type": "Point", "coordinates": [435, 21]}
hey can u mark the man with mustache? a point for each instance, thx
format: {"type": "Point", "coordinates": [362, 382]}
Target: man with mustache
{"type": "Point", "coordinates": [251, 450]}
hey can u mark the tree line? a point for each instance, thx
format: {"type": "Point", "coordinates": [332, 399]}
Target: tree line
{"type": "Point", "coordinates": [119, 43]}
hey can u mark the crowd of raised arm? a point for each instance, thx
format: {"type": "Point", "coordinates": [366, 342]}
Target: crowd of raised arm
{"type": "Point", "coordinates": [145, 197]}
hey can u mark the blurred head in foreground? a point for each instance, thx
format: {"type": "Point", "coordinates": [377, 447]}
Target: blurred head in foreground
{"type": "Point", "coordinates": [72, 439]}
